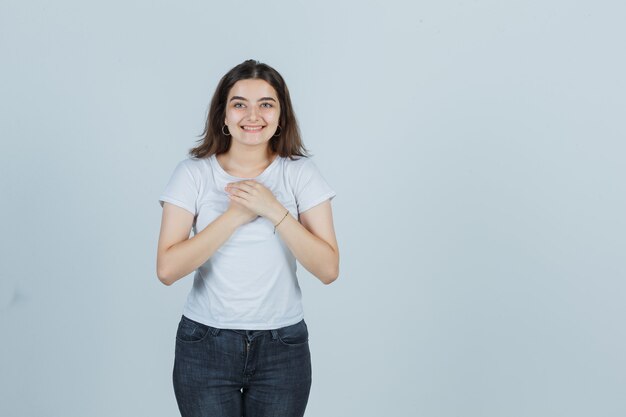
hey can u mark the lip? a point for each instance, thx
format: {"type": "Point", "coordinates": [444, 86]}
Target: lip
{"type": "Point", "coordinates": [249, 131]}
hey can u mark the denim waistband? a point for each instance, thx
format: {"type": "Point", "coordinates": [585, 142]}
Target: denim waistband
{"type": "Point", "coordinates": [251, 334]}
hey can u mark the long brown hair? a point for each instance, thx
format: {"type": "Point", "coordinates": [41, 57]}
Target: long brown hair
{"type": "Point", "coordinates": [287, 144]}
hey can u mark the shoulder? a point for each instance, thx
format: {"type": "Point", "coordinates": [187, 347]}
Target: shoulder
{"type": "Point", "coordinates": [298, 163]}
{"type": "Point", "coordinates": [192, 171]}
{"type": "Point", "coordinates": [302, 172]}
{"type": "Point", "coordinates": [195, 163]}
{"type": "Point", "coordinates": [296, 167]}
{"type": "Point", "coordinates": [195, 166]}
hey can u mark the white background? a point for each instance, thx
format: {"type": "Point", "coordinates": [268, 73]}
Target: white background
{"type": "Point", "coordinates": [477, 150]}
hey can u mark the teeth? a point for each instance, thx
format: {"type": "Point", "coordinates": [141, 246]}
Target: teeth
{"type": "Point", "coordinates": [252, 128]}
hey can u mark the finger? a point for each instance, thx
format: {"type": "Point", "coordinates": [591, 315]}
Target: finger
{"type": "Point", "coordinates": [238, 192]}
{"type": "Point", "coordinates": [238, 199]}
{"type": "Point", "coordinates": [243, 186]}
{"type": "Point", "coordinates": [248, 185]}
{"type": "Point", "coordinates": [233, 188]}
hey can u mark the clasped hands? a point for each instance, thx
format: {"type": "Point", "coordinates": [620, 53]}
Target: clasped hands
{"type": "Point", "coordinates": [250, 199]}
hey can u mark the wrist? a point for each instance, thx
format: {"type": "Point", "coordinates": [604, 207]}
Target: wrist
{"type": "Point", "coordinates": [233, 218]}
{"type": "Point", "coordinates": [277, 214]}
{"type": "Point", "coordinates": [282, 219]}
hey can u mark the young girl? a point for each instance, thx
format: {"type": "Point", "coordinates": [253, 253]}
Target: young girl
{"type": "Point", "coordinates": [256, 203]}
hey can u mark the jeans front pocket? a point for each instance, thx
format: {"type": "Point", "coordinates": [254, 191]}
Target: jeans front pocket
{"type": "Point", "coordinates": [294, 335]}
{"type": "Point", "coordinates": [190, 331]}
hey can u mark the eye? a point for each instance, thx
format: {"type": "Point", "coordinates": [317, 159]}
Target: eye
{"type": "Point", "coordinates": [267, 105]}
{"type": "Point", "coordinates": [236, 105]}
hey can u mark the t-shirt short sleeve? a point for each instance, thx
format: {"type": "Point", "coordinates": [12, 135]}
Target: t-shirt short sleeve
{"type": "Point", "coordinates": [311, 188]}
{"type": "Point", "coordinates": [181, 190]}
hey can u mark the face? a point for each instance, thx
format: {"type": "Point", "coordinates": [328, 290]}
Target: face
{"type": "Point", "coordinates": [252, 112]}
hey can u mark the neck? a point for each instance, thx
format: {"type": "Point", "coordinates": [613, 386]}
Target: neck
{"type": "Point", "coordinates": [248, 158]}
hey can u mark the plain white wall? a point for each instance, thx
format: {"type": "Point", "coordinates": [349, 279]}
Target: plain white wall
{"type": "Point", "coordinates": [477, 150]}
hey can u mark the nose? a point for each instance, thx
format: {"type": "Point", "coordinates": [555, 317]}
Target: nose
{"type": "Point", "coordinates": [252, 113]}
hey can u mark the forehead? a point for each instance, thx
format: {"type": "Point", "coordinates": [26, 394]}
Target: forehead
{"type": "Point", "coordinates": [252, 89]}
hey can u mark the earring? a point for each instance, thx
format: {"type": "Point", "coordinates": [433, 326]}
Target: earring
{"type": "Point", "coordinates": [225, 134]}
{"type": "Point", "coordinates": [279, 131]}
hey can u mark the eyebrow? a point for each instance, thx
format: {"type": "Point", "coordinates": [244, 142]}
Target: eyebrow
{"type": "Point", "coordinates": [245, 99]}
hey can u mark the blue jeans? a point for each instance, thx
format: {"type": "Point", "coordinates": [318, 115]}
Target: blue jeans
{"type": "Point", "coordinates": [234, 373]}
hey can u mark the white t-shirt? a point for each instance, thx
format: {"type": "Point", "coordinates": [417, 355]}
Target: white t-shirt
{"type": "Point", "coordinates": [250, 282]}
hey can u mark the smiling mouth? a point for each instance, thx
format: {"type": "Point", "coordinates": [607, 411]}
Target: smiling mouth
{"type": "Point", "coordinates": [253, 128]}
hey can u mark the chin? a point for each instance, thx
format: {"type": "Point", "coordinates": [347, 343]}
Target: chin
{"type": "Point", "coordinates": [262, 141]}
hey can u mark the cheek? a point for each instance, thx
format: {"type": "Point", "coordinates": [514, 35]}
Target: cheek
{"type": "Point", "coordinates": [232, 114]}
{"type": "Point", "coordinates": [272, 116]}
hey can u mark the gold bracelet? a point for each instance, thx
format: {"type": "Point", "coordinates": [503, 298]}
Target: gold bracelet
{"type": "Point", "coordinates": [281, 220]}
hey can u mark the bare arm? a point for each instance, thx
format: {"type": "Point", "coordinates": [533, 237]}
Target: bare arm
{"type": "Point", "coordinates": [312, 240]}
{"type": "Point", "coordinates": [177, 254]}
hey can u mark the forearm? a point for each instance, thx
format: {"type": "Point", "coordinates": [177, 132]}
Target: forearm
{"type": "Point", "coordinates": [184, 257]}
{"type": "Point", "coordinates": [317, 256]}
